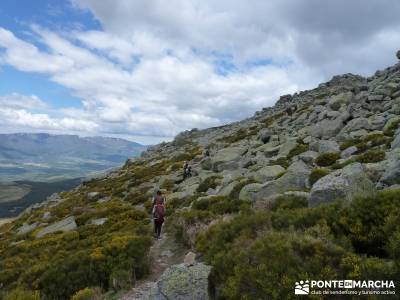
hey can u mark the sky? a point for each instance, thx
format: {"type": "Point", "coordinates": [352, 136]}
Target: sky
{"type": "Point", "coordinates": [147, 70]}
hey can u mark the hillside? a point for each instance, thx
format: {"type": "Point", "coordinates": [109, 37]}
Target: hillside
{"type": "Point", "coordinates": [30, 156]}
{"type": "Point", "coordinates": [307, 189]}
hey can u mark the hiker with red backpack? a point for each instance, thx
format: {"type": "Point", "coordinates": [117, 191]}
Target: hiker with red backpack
{"type": "Point", "coordinates": [158, 213]}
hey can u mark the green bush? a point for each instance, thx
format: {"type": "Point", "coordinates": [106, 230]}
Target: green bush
{"type": "Point", "coordinates": [317, 174]}
{"type": "Point", "coordinates": [371, 156]}
{"type": "Point", "coordinates": [391, 129]}
{"type": "Point", "coordinates": [327, 159]}
{"type": "Point", "coordinates": [300, 148]}
{"type": "Point", "coordinates": [208, 183]}
{"type": "Point", "coordinates": [21, 294]}
{"type": "Point", "coordinates": [260, 255]}
{"type": "Point", "coordinates": [219, 204]}
{"type": "Point", "coordinates": [282, 161]}
{"type": "Point", "coordinates": [349, 143]}
{"type": "Point", "coordinates": [289, 202]}
{"type": "Point", "coordinates": [88, 294]}
{"type": "Point", "coordinates": [235, 137]}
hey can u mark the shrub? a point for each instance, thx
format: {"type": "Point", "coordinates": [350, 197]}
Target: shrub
{"type": "Point", "coordinates": [282, 161]}
{"type": "Point", "coordinates": [208, 183]}
{"type": "Point", "coordinates": [327, 159]}
{"type": "Point", "coordinates": [19, 294]}
{"type": "Point", "coordinates": [87, 294]}
{"type": "Point", "coordinates": [349, 143]}
{"type": "Point", "coordinates": [289, 202]}
{"type": "Point", "coordinates": [371, 156]}
{"type": "Point", "coordinates": [368, 221]}
{"type": "Point", "coordinates": [300, 148]}
{"type": "Point", "coordinates": [219, 204]}
{"type": "Point", "coordinates": [391, 129]}
{"type": "Point", "coordinates": [317, 174]}
{"type": "Point", "coordinates": [235, 137]}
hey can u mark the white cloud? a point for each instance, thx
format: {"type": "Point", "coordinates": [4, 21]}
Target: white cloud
{"type": "Point", "coordinates": [158, 68]}
{"type": "Point", "coordinates": [18, 101]}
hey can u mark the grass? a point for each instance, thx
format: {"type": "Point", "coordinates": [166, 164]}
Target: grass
{"type": "Point", "coordinates": [327, 159]}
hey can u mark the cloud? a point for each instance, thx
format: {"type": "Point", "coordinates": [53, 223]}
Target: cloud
{"type": "Point", "coordinates": [17, 101]}
{"type": "Point", "coordinates": [158, 68]}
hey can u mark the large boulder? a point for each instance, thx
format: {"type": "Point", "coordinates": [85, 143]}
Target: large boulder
{"type": "Point", "coordinates": [248, 193]}
{"type": "Point", "coordinates": [268, 173]}
{"type": "Point", "coordinates": [326, 128]}
{"type": "Point", "coordinates": [65, 225]}
{"type": "Point", "coordinates": [396, 142]}
{"type": "Point", "coordinates": [341, 184]}
{"type": "Point", "coordinates": [336, 101]}
{"type": "Point", "coordinates": [227, 159]}
{"type": "Point", "coordinates": [392, 172]}
{"type": "Point", "coordinates": [323, 146]}
{"type": "Point", "coordinates": [295, 179]}
{"type": "Point", "coordinates": [286, 147]}
{"type": "Point", "coordinates": [183, 282]}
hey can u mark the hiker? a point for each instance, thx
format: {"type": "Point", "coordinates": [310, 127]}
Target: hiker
{"type": "Point", "coordinates": [187, 170]}
{"type": "Point", "coordinates": [158, 213]}
{"type": "Point", "coordinates": [207, 153]}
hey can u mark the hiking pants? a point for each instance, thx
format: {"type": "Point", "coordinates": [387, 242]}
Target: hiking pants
{"type": "Point", "coordinates": [157, 227]}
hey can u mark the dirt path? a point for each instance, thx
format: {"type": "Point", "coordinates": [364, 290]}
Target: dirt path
{"type": "Point", "coordinates": [164, 253]}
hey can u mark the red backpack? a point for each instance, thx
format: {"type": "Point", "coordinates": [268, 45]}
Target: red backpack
{"type": "Point", "coordinates": [159, 212]}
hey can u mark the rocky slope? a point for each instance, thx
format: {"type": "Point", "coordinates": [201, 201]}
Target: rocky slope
{"type": "Point", "coordinates": [306, 189]}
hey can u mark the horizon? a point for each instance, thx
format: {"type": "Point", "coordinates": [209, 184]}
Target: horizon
{"type": "Point", "coordinates": [145, 73]}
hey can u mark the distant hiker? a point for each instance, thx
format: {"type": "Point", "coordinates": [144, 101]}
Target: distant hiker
{"type": "Point", "coordinates": [158, 213]}
{"type": "Point", "coordinates": [207, 153]}
{"type": "Point", "coordinates": [187, 170]}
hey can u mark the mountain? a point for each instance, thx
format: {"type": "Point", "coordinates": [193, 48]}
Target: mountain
{"type": "Point", "coordinates": [29, 156]}
{"type": "Point", "coordinates": [306, 190]}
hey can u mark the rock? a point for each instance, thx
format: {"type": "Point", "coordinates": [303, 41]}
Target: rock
{"type": "Point", "coordinates": [323, 146]}
{"type": "Point", "coordinates": [396, 142]}
{"type": "Point", "coordinates": [26, 228]}
{"type": "Point", "coordinates": [181, 282]}
{"type": "Point", "coordinates": [392, 173]}
{"type": "Point", "coordinates": [264, 135]}
{"type": "Point", "coordinates": [98, 222]}
{"type": "Point", "coordinates": [398, 54]}
{"type": "Point", "coordinates": [349, 152]}
{"type": "Point", "coordinates": [227, 159]}
{"type": "Point", "coordinates": [375, 97]}
{"type": "Point", "coordinates": [326, 128]}
{"type": "Point", "coordinates": [308, 157]}
{"type": "Point", "coordinates": [46, 215]}
{"type": "Point", "coordinates": [294, 179]}
{"type": "Point", "coordinates": [341, 184]}
{"type": "Point", "coordinates": [190, 259]}
{"type": "Point", "coordinates": [286, 147]}
{"type": "Point", "coordinates": [268, 173]}
{"type": "Point", "coordinates": [248, 192]}
{"type": "Point", "coordinates": [167, 253]}
{"type": "Point", "coordinates": [65, 225]}
{"type": "Point", "coordinates": [93, 195]}
{"type": "Point", "coordinates": [104, 199]}
{"type": "Point", "coordinates": [335, 102]}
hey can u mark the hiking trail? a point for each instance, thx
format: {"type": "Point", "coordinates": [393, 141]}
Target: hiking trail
{"type": "Point", "coordinates": [164, 253]}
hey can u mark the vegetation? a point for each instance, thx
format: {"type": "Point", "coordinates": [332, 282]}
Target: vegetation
{"type": "Point", "coordinates": [371, 156]}
{"type": "Point", "coordinates": [209, 183]}
{"type": "Point", "coordinates": [300, 148]}
{"type": "Point", "coordinates": [327, 159]}
{"type": "Point", "coordinates": [261, 255]}
{"type": "Point", "coordinates": [317, 174]}
{"type": "Point", "coordinates": [110, 256]}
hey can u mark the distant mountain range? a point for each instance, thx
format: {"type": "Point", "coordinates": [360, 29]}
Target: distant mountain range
{"type": "Point", "coordinates": [45, 157]}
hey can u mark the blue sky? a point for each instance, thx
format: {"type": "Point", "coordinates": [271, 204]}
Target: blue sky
{"type": "Point", "coordinates": [146, 70]}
